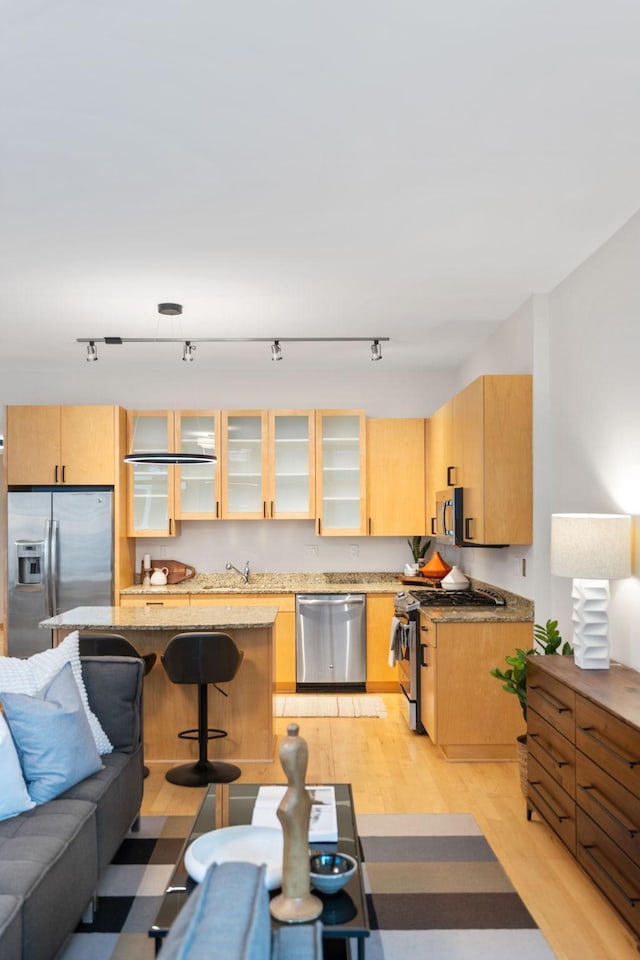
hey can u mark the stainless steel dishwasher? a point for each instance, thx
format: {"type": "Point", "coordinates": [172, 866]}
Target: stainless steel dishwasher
{"type": "Point", "coordinates": [331, 640]}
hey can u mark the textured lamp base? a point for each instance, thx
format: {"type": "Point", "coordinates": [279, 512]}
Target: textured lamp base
{"type": "Point", "coordinates": [591, 624]}
{"type": "Point", "coordinates": [200, 774]}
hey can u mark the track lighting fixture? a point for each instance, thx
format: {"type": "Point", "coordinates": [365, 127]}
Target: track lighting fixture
{"type": "Point", "coordinates": [376, 350]}
{"type": "Point", "coordinates": [92, 353]}
{"type": "Point", "coordinates": [187, 351]}
{"type": "Point", "coordinates": [276, 350]}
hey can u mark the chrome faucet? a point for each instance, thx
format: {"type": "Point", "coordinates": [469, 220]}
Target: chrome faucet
{"type": "Point", "coordinates": [243, 573]}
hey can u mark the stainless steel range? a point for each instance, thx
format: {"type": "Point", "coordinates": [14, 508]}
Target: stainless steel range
{"type": "Point", "coordinates": [405, 646]}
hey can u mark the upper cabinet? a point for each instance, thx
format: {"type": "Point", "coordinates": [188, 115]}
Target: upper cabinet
{"type": "Point", "coordinates": [197, 485]}
{"type": "Point", "coordinates": [341, 473]}
{"type": "Point", "coordinates": [268, 464]}
{"type": "Point", "coordinates": [482, 441]}
{"type": "Point", "coordinates": [151, 506]}
{"type": "Point", "coordinates": [53, 445]}
{"type": "Point", "coordinates": [396, 499]}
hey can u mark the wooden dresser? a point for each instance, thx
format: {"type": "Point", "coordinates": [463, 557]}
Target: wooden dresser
{"type": "Point", "coordinates": [584, 770]}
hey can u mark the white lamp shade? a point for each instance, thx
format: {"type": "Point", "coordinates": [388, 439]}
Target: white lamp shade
{"type": "Point", "coordinates": [591, 546]}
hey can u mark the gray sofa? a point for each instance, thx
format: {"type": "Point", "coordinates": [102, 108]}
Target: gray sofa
{"type": "Point", "coordinates": [229, 913]}
{"type": "Point", "coordinates": [51, 856]}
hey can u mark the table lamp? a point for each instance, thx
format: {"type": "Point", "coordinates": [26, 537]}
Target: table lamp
{"type": "Point", "coordinates": [593, 548]}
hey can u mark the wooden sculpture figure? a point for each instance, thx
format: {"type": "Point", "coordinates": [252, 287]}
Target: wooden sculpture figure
{"type": "Point", "coordinates": [296, 903]}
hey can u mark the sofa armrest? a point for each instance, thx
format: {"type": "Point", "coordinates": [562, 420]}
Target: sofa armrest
{"type": "Point", "coordinates": [114, 689]}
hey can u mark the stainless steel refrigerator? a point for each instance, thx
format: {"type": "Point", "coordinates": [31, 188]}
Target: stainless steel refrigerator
{"type": "Point", "coordinates": [60, 555]}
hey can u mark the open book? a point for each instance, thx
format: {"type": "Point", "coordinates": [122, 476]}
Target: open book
{"type": "Point", "coordinates": [323, 821]}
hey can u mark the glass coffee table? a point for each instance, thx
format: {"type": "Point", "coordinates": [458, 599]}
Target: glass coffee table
{"type": "Point", "coordinates": [344, 914]}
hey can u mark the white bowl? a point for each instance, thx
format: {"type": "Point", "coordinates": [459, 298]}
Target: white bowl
{"type": "Point", "coordinates": [232, 844]}
{"type": "Point", "coordinates": [331, 871]}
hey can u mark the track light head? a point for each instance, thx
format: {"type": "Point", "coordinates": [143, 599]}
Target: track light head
{"type": "Point", "coordinates": [92, 352]}
{"type": "Point", "coordinates": [187, 351]}
{"type": "Point", "coordinates": [376, 350]}
{"type": "Point", "coordinates": [170, 309]}
{"type": "Point", "coordinates": [276, 350]}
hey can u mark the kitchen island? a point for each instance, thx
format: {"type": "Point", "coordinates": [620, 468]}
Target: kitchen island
{"type": "Point", "coordinates": [247, 713]}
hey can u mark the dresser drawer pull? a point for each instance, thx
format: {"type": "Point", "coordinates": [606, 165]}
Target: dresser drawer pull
{"type": "Point", "coordinates": [607, 807]}
{"type": "Point", "coordinates": [557, 761]}
{"type": "Point", "coordinates": [545, 796]}
{"type": "Point", "coordinates": [628, 761]}
{"type": "Point", "coordinates": [556, 704]}
{"type": "Point", "coordinates": [588, 848]}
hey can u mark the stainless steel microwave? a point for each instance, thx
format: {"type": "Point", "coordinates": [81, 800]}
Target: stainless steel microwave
{"type": "Point", "coordinates": [447, 525]}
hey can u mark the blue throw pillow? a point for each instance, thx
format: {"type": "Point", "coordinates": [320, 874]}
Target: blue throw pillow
{"type": "Point", "coordinates": [13, 795]}
{"type": "Point", "coordinates": [52, 736]}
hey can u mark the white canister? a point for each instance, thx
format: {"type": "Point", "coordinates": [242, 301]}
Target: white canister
{"type": "Point", "coordinates": [455, 580]}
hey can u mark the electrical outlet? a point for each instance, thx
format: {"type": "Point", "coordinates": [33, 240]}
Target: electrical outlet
{"type": "Point", "coordinates": [524, 567]}
{"type": "Point", "coordinates": [311, 551]}
{"type": "Point", "coordinates": [163, 552]}
{"type": "Point", "coordinates": [354, 550]}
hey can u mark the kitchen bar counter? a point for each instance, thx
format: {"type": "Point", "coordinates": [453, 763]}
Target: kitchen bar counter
{"type": "Point", "coordinates": [247, 713]}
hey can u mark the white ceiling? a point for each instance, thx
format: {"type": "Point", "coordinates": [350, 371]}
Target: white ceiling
{"type": "Point", "coordinates": [404, 168]}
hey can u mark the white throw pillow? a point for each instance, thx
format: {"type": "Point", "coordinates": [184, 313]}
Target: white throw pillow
{"type": "Point", "coordinates": [14, 798]}
{"type": "Point", "coordinates": [33, 674]}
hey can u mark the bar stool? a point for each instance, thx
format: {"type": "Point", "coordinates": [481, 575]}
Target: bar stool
{"type": "Point", "coordinates": [202, 659]}
{"type": "Point", "coordinates": [113, 645]}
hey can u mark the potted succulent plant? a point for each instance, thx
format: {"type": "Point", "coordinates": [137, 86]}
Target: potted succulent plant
{"type": "Point", "coordinates": [547, 641]}
{"type": "Point", "coordinates": [418, 546]}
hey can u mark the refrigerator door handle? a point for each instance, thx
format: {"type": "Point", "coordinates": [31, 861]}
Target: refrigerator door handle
{"type": "Point", "coordinates": [53, 568]}
{"type": "Point", "coordinates": [46, 572]}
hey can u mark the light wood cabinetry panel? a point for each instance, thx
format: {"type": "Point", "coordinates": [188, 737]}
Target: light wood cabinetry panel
{"type": "Point", "coordinates": [396, 477]}
{"type": "Point", "coordinates": [486, 432]}
{"type": "Point", "coordinates": [470, 717]}
{"type": "Point", "coordinates": [584, 770]}
{"type": "Point", "coordinates": [156, 601]}
{"type": "Point", "coordinates": [341, 473]}
{"type": "Point", "coordinates": [151, 501]}
{"type": "Point", "coordinates": [381, 677]}
{"type": "Point", "coordinates": [284, 631]}
{"type": "Point", "coordinates": [54, 445]}
{"type": "Point", "coordinates": [197, 485]}
{"type": "Point", "coordinates": [245, 458]}
{"type": "Point", "coordinates": [291, 493]}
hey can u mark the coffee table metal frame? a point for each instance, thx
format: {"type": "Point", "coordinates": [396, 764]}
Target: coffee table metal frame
{"type": "Point", "coordinates": [344, 914]}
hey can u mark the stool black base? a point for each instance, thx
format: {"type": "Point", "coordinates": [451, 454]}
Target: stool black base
{"type": "Point", "coordinates": [202, 773]}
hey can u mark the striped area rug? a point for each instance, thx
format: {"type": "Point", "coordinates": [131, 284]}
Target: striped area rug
{"type": "Point", "coordinates": [435, 891]}
{"type": "Point", "coordinates": [326, 705]}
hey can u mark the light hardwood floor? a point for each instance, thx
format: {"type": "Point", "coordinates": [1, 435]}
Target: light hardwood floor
{"type": "Point", "coordinates": [394, 771]}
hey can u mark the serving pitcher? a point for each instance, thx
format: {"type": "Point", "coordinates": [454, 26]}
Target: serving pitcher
{"type": "Point", "coordinates": [159, 576]}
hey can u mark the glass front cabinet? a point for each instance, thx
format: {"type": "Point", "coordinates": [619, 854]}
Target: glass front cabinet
{"type": "Point", "coordinates": [340, 473]}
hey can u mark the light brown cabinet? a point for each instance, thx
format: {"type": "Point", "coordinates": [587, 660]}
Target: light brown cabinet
{"type": "Point", "coordinates": [54, 445]}
{"type": "Point", "coordinates": [396, 500]}
{"type": "Point", "coordinates": [381, 678]}
{"type": "Point", "coordinates": [485, 432]}
{"type": "Point", "coordinates": [341, 473]}
{"type": "Point", "coordinates": [462, 707]}
{"type": "Point", "coordinates": [583, 735]}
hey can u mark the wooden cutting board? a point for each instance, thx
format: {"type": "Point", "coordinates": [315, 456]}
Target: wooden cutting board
{"type": "Point", "coordinates": [423, 580]}
{"type": "Point", "coordinates": [178, 571]}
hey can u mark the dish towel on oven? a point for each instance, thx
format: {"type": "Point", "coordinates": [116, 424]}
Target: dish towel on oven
{"type": "Point", "coordinates": [396, 639]}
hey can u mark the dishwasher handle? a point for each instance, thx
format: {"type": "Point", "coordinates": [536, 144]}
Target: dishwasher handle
{"type": "Point", "coordinates": [348, 598]}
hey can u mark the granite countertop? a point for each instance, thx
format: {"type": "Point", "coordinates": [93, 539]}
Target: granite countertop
{"type": "Point", "coordinates": [163, 618]}
{"type": "Point", "coordinates": [517, 608]}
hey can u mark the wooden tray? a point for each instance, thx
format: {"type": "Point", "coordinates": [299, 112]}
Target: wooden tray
{"type": "Point", "coordinates": [178, 571]}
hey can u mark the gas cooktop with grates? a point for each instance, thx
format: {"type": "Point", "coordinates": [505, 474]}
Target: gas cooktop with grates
{"type": "Point", "coordinates": [439, 597]}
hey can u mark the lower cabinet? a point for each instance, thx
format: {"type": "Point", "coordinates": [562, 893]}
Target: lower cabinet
{"type": "Point", "coordinates": [583, 734]}
{"type": "Point", "coordinates": [462, 707]}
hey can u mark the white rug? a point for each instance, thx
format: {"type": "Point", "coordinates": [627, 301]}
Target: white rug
{"type": "Point", "coordinates": [323, 705]}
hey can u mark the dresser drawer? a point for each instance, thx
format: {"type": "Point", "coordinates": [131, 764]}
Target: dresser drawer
{"type": "Point", "coordinates": [614, 873]}
{"type": "Point", "coordinates": [610, 742]}
{"type": "Point", "coordinates": [614, 809]}
{"type": "Point", "coordinates": [552, 803]}
{"type": "Point", "coordinates": [552, 700]}
{"type": "Point", "coordinates": [553, 751]}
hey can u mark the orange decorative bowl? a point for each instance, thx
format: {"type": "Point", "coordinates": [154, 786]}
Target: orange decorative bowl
{"type": "Point", "coordinates": [435, 568]}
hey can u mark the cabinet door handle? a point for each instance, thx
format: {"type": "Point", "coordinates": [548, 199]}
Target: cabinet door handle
{"type": "Point", "coordinates": [556, 760]}
{"type": "Point", "coordinates": [64, 470]}
{"type": "Point", "coordinates": [628, 761]}
{"type": "Point", "coordinates": [588, 849]}
{"type": "Point", "coordinates": [264, 509]}
{"type": "Point", "coordinates": [545, 796]}
{"type": "Point", "coordinates": [217, 509]}
{"type": "Point", "coordinates": [450, 478]}
{"type": "Point", "coordinates": [433, 526]}
{"type": "Point", "coordinates": [555, 704]}
{"type": "Point", "coordinates": [607, 807]}
{"type": "Point", "coordinates": [170, 526]}
{"type": "Point", "coordinates": [467, 528]}
{"type": "Point", "coordinates": [55, 474]}
{"type": "Point", "coordinates": [369, 526]}
{"type": "Point", "coordinates": [318, 527]}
